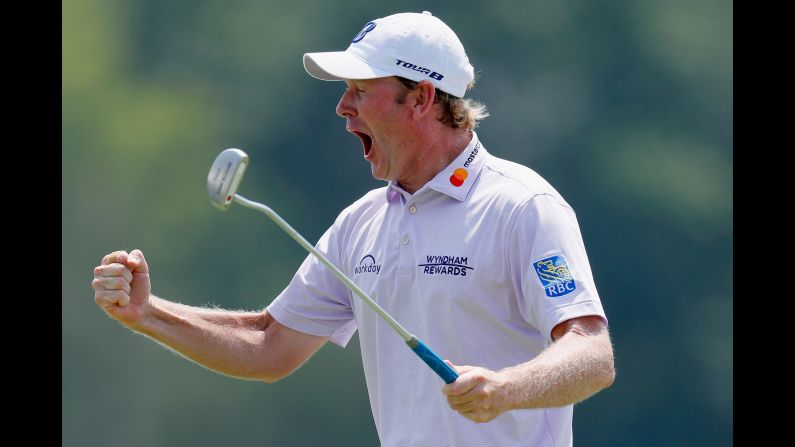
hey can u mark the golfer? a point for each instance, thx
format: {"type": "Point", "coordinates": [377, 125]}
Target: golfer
{"type": "Point", "coordinates": [478, 256]}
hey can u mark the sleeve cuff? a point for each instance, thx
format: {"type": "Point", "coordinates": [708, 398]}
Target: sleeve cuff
{"type": "Point", "coordinates": [339, 334]}
{"type": "Point", "coordinates": [574, 310]}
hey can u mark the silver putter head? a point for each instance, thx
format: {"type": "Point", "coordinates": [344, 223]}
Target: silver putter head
{"type": "Point", "coordinates": [224, 177]}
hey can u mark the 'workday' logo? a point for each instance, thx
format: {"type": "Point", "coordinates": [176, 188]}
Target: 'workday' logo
{"type": "Point", "coordinates": [367, 265]}
{"type": "Point", "coordinates": [446, 265]}
{"type": "Point", "coordinates": [555, 276]}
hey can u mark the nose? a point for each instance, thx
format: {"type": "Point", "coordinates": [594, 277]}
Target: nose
{"type": "Point", "coordinates": [346, 108]}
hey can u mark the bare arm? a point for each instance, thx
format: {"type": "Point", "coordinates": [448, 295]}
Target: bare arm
{"type": "Point", "coordinates": [248, 345]}
{"type": "Point", "coordinates": [577, 365]}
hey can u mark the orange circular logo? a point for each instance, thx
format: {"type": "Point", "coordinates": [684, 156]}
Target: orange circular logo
{"type": "Point", "coordinates": [458, 177]}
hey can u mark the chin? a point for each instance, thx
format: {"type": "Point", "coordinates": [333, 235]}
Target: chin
{"type": "Point", "coordinates": [379, 173]}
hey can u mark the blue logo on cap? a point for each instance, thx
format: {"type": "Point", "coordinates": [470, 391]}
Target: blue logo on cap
{"type": "Point", "coordinates": [367, 28]}
{"type": "Point", "coordinates": [555, 276]}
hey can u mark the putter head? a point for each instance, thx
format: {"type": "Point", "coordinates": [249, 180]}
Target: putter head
{"type": "Point", "coordinates": [224, 177]}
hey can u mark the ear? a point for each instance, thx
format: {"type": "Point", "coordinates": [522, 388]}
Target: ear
{"type": "Point", "coordinates": [423, 97]}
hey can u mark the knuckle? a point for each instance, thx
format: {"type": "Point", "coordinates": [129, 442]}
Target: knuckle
{"type": "Point", "coordinates": [118, 297]}
{"type": "Point", "coordinates": [118, 269]}
{"type": "Point", "coordinates": [112, 256]}
{"type": "Point", "coordinates": [103, 299]}
{"type": "Point", "coordinates": [118, 283]}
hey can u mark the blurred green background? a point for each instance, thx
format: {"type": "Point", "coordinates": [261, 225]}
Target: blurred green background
{"type": "Point", "coordinates": [624, 106]}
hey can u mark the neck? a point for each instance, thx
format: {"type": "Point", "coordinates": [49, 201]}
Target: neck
{"type": "Point", "coordinates": [434, 150]}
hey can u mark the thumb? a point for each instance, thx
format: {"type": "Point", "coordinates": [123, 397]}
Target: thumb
{"type": "Point", "coordinates": [459, 386]}
{"type": "Point", "coordinates": [136, 262]}
{"type": "Point", "coordinates": [450, 364]}
{"type": "Point", "coordinates": [460, 369]}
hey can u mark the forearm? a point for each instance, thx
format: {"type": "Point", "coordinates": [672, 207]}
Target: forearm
{"type": "Point", "coordinates": [232, 343]}
{"type": "Point", "coordinates": [570, 370]}
{"type": "Point", "coordinates": [216, 316]}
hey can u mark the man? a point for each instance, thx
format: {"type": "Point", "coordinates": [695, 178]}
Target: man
{"type": "Point", "coordinates": [479, 257]}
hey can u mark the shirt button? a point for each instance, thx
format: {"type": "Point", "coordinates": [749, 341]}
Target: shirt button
{"type": "Point", "coordinates": [412, 209]}
{"type": "Point", "coordinates": [404, 239]}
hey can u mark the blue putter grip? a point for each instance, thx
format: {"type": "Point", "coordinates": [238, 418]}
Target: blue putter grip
{"type": "Point", "coordinates": [434, 361]}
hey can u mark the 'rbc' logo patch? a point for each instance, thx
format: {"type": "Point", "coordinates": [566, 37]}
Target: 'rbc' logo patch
{"type": "Point", "coordinates": [555, 276]}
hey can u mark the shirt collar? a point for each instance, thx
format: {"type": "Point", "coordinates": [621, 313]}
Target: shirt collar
{"type": "Point", "coordinates": [456, 179]}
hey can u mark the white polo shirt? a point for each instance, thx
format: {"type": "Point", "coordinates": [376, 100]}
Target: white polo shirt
{"type": "Point", "coordinates": [480, 263]}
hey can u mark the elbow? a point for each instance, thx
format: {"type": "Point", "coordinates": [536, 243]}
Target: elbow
{"type": "Point", "coordinates": [274, 374]}
{"type": "Point", "coordinates": [271, 379]}
{"type": "Point", "coordinates": [608, 373]}
{"type": "Point", "coordinates": [608, 370]}
{"type": "Point", "coordinates": [274, 368]}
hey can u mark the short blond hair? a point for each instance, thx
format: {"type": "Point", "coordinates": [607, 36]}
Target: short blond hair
{"type": "Point", "coordinates": [457, 112]}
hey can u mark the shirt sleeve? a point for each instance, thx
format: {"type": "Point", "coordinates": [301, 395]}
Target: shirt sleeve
{"type": "Point", "coordinates": [549, 265]}
{"type": "Point", "coordinates": [316, 302]}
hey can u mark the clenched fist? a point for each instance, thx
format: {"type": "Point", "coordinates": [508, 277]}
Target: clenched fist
{"type": "Point", "coordinates": [478, 394]}
{"type": "Point", "coordinates": [121, 286]}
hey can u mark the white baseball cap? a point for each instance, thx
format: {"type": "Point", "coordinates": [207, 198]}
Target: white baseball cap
{"type": "Point", "coordinates": [410, 45]}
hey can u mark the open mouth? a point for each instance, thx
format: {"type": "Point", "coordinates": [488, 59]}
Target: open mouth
{"type": "Point", "coordinates": [367, 142]}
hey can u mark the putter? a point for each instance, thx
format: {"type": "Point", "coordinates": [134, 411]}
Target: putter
{"type": "Point", "coordinates": [222, 182]}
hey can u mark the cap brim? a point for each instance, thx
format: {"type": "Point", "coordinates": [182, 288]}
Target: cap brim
{"type": "Point", "coordinates": [340, 65]}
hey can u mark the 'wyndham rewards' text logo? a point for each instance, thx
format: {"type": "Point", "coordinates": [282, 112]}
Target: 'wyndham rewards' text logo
{"type": "Point", "coordinates": [446, 265]}
{"type": "Point", "coordinates": [555, 276]}
{"type": "Point", "coordinates": [367, 265]}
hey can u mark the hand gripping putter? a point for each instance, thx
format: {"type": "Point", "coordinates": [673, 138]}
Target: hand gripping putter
{"type": "Point", "coordinates": [222, 182]}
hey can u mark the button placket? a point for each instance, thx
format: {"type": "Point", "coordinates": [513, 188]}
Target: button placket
{"type": "Point", "coordinates": [407, 264]}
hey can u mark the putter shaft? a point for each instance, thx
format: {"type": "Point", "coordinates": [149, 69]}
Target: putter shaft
{"type": "Point", "coordinates": [448, 374]}
{"type": "Point", "coordinates": [339, 274]}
